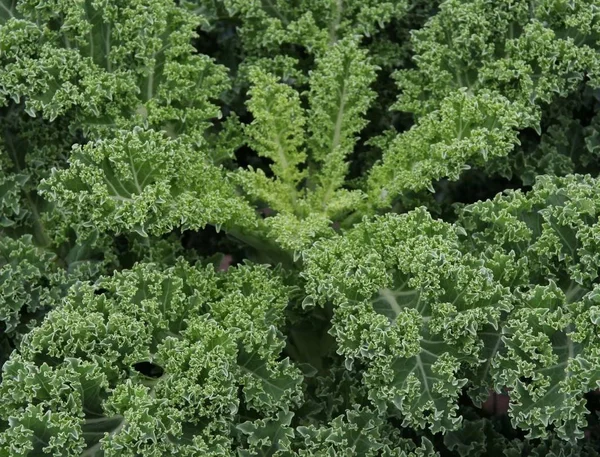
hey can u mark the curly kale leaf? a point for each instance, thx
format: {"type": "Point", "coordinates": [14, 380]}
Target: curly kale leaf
{"type": "Point", "coordinates": [150, 361]}
{"type": "Point", "coordinates": [410, 307]}
{"type": "Point", "coordinates": [109, 65]}
{"type": "Point", "coordinates": [143, 181]}
{"type": "Point", "coordinates": [546, 354]}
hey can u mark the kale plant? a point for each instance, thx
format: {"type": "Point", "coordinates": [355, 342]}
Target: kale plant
{"type": "Point", "coordinates": [255, 228]}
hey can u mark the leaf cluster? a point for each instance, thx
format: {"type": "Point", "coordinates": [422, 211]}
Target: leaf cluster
{"type": "Point", "coordinates": [299, 228]}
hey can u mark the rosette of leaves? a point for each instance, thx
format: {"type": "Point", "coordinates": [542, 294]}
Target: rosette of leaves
{"type": "Point", "coordinates": [304, 188]}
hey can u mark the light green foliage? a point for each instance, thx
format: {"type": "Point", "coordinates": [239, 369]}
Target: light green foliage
{"type": "Point", "coordinates": [320, 139]}
{"type": "Point", "coordinates": [339, 97]}
{"type": "Point", "coordinates": [516, 51]}
{"type": "Point", "coordinates": [467, 129]}
{"type": "Point", "coordinates": [277, 134]}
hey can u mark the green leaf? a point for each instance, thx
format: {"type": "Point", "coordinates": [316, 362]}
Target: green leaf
{"type": "Point", "coordinates": [141, 181]}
